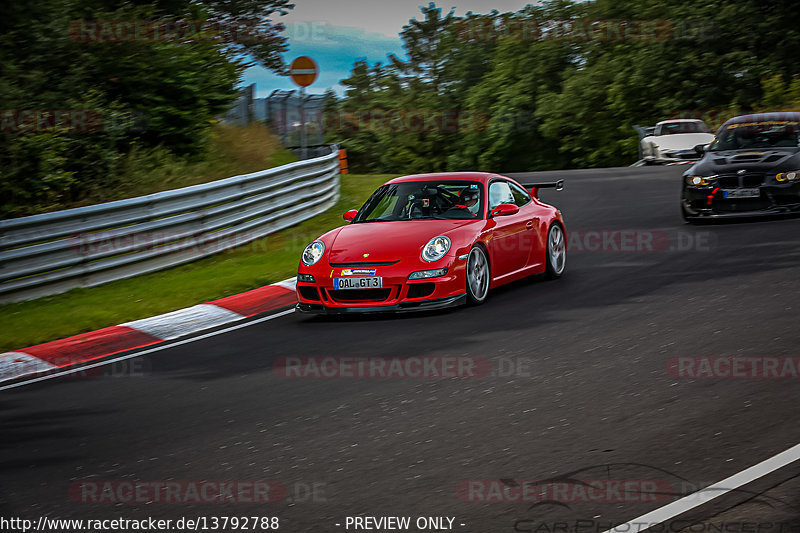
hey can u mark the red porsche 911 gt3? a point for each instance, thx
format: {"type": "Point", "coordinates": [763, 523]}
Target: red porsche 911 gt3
{"type": "Point", "coordinates": [430, 241]}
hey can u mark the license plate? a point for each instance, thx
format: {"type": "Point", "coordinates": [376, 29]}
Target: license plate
{"type": "Point", "coordinates": [741, 193]}
{"type": "Point", "coordinates": [370, 282]}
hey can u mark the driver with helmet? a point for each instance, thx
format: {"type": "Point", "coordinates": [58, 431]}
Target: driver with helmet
{"type": "Point", "coordinates": [470, 199]}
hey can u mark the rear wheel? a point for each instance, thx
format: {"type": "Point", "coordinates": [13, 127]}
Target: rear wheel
{"type": "Point", "coordinates": [478, 275]}
{"type": "Point", "coordinates": [556, 252]}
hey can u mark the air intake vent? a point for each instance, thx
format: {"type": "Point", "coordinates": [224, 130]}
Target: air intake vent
{"type": "Point", "coordinates": [420, 290]}
{"type": "Point", "coordinates": [747, 157]}
{"type": "Point", "coordinates": [359, 295]}
{"type": "Point", "coordinates": [309, 293]}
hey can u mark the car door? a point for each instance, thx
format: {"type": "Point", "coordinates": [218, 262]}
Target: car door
{"type": "Point", "coordinates": [531, 212]}
{"type": "Point", "coordinates": [508, 247]}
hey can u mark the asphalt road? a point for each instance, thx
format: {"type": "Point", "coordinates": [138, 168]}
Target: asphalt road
{"type": "Point", "coordinates": [580, 389]}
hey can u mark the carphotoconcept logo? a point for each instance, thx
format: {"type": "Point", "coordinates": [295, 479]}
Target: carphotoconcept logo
{"type": "Point", "coordinates": [593, 525]}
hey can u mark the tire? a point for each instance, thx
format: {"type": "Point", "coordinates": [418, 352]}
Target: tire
{"type": "Point", "coordinates": [685, 215]}
{"type": "Point", "coordinates": [478, 274]}
{"type": "Point", "coordinates": [556, 254]}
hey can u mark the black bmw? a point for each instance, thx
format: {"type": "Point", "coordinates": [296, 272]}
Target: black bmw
{"type": "Point", "coordinates": [751, 168]}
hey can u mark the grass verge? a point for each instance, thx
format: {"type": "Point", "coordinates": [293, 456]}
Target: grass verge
{"type": "Point", "coordinates": [259, 263]}
{"type": "Point", "coordinates": [230, 151]}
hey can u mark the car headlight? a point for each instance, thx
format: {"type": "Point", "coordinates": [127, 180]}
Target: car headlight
{"type": "Point", "coordinates": [788, 176]}
{"type": "Point", "coordinates": [313, 253]}
{"type": "Point", "coordinates": [698, 181]}
{"type": "Point", "coordinates": [436, 248]}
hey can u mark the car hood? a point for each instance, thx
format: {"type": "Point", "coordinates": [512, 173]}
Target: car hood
{"type": "Point", "coordinates": [680, 141]}
{"type": "Point", "coordinates": [395, 240]}
{"type": "Point", "coordinates": [767, 160]}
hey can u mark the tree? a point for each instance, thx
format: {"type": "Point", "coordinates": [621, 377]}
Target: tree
{"type": "Point", "coordinates": [560, 85]}
{"type": "Point", "coordinates": [140, 94]}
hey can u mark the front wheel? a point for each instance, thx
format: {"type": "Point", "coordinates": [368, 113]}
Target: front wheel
{"type": "Point", "coordinates": [478, 276]}
{"type": "Point", "coordinates": [556, 252]}
{"type": "Point", "coordinates": [685, 215]}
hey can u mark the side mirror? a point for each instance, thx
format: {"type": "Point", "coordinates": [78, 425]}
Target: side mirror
{"type": "Point", "coordinates": [505, 210]}
{"type": "Point", "coordinates": [701, 149]}
{"type": "Point", "coordinates": [350, 215]}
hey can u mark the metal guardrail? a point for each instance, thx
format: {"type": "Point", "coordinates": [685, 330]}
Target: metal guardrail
{"type": "Point", "coordinates": [54, 252]}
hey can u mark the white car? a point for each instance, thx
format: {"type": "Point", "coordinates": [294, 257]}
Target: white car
{"type": "Point", "coordinates": [675, 140]}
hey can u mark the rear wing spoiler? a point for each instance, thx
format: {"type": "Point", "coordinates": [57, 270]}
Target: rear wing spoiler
{"type": "Point", "coordinates": [534, 187]}
{"type": "Point", "coordinates": [644, 131]}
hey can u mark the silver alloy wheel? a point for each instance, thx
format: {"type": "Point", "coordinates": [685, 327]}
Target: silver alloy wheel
{"type": "Point", "coordinates": [556, 250]}
{"type": "Point", "coordinates": [477, 274]}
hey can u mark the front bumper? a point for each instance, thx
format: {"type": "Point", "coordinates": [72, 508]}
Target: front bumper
{"type": "Point", "coordinates": [703, 203]}
{"type": "Point", "coordinates": [409, 306]}
{"type": "Point", "coordinates": [397, 293]}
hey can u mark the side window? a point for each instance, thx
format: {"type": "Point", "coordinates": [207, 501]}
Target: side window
{"type": "Point", "coordinates": [521, 196]}
{"type": "Point", "coordinates": [500, 193]}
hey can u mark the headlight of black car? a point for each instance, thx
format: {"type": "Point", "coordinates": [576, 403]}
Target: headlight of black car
{"type": "Point", "coordinates": [788, 176]}
{"type": "Point", "coordinates": [699, 181]}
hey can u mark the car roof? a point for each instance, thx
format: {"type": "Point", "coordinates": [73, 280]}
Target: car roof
{"type": "Point", "coordinates": [677, 120]}
{"type": "Point", "coordinates": [472, 176]}
{"type": "Point", "coordinates": [765, 117]}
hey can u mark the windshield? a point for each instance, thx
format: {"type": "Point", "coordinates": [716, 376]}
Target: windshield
{"type": "Point", "coordinates": [684, 127]}
{"type": "Point", "coordinates": [768, 134]}
{"type": "Point", "coordinates": [424, 200]}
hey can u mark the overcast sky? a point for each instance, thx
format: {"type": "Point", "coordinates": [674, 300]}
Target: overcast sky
{"type": "Point", "coordinates": [337, 32]}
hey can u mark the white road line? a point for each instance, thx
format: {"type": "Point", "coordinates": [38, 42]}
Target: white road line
{"type": "Point", "coordinates": [707, 494]}
{"type": "Point", "coordinates": [147, 351]}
